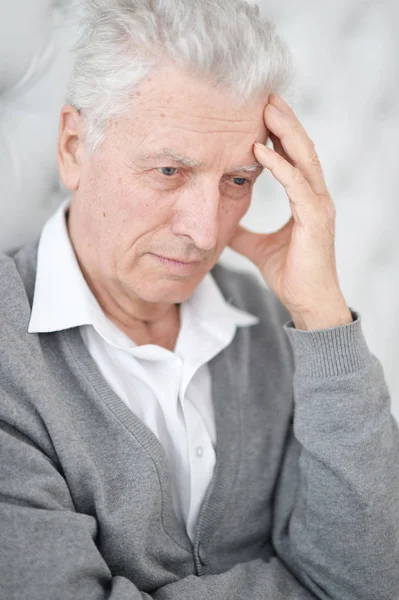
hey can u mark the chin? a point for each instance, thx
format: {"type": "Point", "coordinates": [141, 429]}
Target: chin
{"type": "Point", "coordinates": [169, 291]}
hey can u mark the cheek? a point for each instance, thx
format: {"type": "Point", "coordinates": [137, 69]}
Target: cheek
{"type": "Point", "coordinates": [129, 207]}
{"type": "Point", "coordinates": [232, 211]}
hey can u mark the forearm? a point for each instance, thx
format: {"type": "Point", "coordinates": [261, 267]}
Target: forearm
{"type": "Point", "coordinates": [345, 517]}
{"type": "Point", "coordinates": [253, 580]}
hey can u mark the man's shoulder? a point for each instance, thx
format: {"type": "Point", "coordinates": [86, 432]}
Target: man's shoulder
{"type": "Point", "coordinates": [22, 366]}
{"type": "Point", "coordinates": [245, 290]}
{"type": "Point", "coordinates": [17, 280]}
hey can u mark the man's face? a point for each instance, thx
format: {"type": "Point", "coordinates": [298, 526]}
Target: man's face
{"type": "Point", "coordinates": [136, 202]}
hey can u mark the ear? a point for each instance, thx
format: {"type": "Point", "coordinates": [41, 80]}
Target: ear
{"type": "Point", "coordinates": [70, 147]}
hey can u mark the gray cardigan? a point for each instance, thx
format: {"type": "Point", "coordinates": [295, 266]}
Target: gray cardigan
{"type": "Point", "coordinates": [303, 503]}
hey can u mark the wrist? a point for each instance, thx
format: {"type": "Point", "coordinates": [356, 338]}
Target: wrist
{"type": "Point", "coordinates": [322, 317]}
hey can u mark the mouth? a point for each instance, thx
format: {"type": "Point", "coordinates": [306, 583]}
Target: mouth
{"type": "Point", "coordinates": [179, 260]}
{"type": "Point", "coordinates": [180, 266]}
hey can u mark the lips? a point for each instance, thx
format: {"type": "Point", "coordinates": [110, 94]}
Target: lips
{"type": "Point", "coordinates": [179, 260]}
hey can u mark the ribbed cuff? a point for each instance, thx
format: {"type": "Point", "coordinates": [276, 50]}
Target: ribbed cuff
{"type": "Point", "coordinates": [329, 352]}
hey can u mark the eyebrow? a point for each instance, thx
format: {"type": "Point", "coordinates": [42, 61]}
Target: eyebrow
{"type": "Point", "coordinates": [190, 162]}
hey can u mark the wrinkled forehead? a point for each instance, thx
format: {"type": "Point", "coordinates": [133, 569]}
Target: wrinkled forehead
{"type": "Point", "coordinates": [192, 119]}
{"type": "Point", "coordinates": [200, 122]}
{"type": "Point", "coordinates": [176, 98]}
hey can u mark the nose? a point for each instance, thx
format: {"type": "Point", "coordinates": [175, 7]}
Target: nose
{"type": "Point", "coordinates": [197, 216]}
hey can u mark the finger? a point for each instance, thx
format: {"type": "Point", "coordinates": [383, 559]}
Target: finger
{"type": "Point", "coordinates": [257, 246]}
{"type": "Point", "coordinates": [279, 148]}
{"type": "Point", "coordinates": [298, 147]}
{"type": "Point", "coordinates": [306, 206]}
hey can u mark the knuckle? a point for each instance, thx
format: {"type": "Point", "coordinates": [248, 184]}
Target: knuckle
{"type": "Point", "coordinates": [327, 200]}
{"type": "Point", "coordinates": [328, 204]}
{"type": "Point", "coordinates": [330, 213]}
{"type": "Point", "coordinates": [297, 127]}
{"type": "Point", "coordinates": [314, 159]}
{"type": "Point", "coordinates": [330, 227]}
{"type": "Point", "coordinates": [299, 178]}
{"type": "Point", "coordinates": [312, 145]}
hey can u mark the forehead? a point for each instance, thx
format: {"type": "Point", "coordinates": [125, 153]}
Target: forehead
{"type": "Point", "coordinates": [172, 93]}
{"type": "Point", "coordinates": [175, 110]}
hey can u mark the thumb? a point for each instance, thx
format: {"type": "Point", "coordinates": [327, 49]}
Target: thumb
{"type": "Point", "coordinates": [247, 243]}
{"type": "Point", "coordinates": [258, 246]}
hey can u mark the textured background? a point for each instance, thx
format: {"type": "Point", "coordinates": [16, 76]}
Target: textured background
{"type": "Point", "coordinates": [347, 97]}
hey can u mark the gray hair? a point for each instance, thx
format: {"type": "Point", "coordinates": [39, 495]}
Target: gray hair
{"type": "Point", "coordinates": [222, 41]}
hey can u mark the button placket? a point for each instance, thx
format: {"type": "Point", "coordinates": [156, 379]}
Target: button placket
{"type": "Point", "coordinates": [202, 555]}
{"type": "Point", "coordinates": [199, 451]}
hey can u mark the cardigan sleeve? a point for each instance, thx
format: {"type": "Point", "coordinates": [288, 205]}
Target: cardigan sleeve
{"type": "Point", "coordinates": [340, 534]}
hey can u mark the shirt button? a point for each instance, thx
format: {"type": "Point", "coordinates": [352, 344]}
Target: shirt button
{"type": "Point", "coordinates": [199, 451]}
{"type": "Point", "coordinates": [201, 555]}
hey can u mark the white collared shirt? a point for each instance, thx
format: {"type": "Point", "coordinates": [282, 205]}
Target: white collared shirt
{"type": "Point", "coordinates": [170, 392]}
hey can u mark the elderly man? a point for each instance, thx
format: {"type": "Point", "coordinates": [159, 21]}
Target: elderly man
{"type": "Point", "coordinates": [170, 428]}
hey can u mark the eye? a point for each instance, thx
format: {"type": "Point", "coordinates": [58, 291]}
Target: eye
{"type": "Point", "coordinates": [240, 181]}
{"type": "Point", "coordinates": [168, 171]}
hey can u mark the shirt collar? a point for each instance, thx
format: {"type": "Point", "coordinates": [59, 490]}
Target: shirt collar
{"type": "Point", "coordinates": [63, 299]}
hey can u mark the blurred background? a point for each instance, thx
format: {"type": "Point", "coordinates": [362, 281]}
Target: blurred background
{"type": "Point", "coordinates": [347, 96]}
